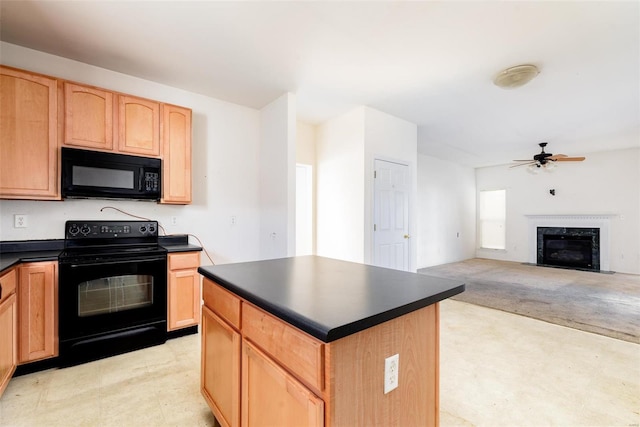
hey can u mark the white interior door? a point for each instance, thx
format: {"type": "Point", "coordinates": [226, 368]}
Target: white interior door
{"type": "Point", "coordinates": [391, 215]}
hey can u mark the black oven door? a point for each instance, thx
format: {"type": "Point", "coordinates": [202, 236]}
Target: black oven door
{"type": "Point", "coordinates": [107, 304]}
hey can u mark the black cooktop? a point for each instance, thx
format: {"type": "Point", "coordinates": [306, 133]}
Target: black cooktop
{"type": "Point", "coordinates": [104, 240]}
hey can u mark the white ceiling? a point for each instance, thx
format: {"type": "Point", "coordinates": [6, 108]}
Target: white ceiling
{"type": "Point", "coordinates": [431, 63]}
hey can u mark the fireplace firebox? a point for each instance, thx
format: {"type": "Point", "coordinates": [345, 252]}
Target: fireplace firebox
{"type": "Point", "coordinates": [577, 248]}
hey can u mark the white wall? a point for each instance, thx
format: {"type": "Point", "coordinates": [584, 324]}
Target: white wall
{"type": "Point", "coordinates": [605, 183]}
{"type": "Point", "coordinates": [277, 178]}
{"type": "Point", "coordinates": [226, 147]}
{"type": "Point", "coordinates": [346, 149]}
{"type": "Point", "coordinates": [392, 139]}
{"type": "Point", "coordinates": [446, 212]}
{"type": "Point", "coordinates": [340, 187]}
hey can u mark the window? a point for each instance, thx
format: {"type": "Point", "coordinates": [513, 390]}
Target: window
{"type": "Point", "coordinates": [493, 213]}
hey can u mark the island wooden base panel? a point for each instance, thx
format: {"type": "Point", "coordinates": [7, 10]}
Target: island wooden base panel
{"type": "Point", "coordinates": [258, 370]}
{"type": "Point", "coordinates": [355, 367]}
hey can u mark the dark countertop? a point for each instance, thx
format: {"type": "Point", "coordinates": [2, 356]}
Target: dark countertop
{"type": "Point", "coordinates": [16, 252]}
{"type": "Point", "coordinates": [177, 243]}
{"type": "Point", "coordinates": [327, 298]}
{"type": "Point", "coordinates": [8, 260]}
{"type": "Point", "coordinates": [181, 248]}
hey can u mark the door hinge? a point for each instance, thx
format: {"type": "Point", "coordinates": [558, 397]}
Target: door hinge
{"type": "Point", "coordinates": [374, 227]}
{"type": "Point", "coordinates": [374, 174]}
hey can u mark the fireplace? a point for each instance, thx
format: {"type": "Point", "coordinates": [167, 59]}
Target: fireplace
{"type": "Point", "coordinates": [577, 248]}
{"type": "Point", "coordinates": [571, 250]}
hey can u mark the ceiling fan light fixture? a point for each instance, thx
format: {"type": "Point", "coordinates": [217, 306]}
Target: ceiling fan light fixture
{"type": "Point", "coordinates": [536, 167]}
{"type": "Point", "coordinates": [533, 169]}
{"type": "Point", "coordinates": [517, 76]}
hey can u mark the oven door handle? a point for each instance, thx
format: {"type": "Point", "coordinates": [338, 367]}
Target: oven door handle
{"type": "Point", "coordinates": [121, 261]}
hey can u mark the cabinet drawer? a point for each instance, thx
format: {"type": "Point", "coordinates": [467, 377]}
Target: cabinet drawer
{"type": "Point", "coordinates": [302, 354]}
{"type": "Point", "coordinates": [222, 302]}
{"type": "Point", "coordinates": [7, 284]}
{"type": "Point", "coordinates": [179, 261]}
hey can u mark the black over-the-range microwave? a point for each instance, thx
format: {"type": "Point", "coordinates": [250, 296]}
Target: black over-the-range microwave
{"type": "Point", "coordinates": [96, 174]}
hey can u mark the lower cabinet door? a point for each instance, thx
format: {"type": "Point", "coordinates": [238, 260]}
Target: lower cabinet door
{"type": "Point", "coordinates": [38, 311]}
{"type": "Point", "coordinates": [8, 340]}
{"type": "Point", "coordinates": [220, 370]}
{"type": "Point", "coordinates": [272, 397]}
{"type": "Point", "coordinates": [184, 299]}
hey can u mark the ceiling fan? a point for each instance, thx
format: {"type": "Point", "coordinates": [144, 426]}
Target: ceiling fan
{"type": "Point", "coordinates": [546, 160]}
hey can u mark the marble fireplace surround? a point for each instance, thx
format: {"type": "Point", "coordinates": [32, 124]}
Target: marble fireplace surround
{"type": "Point", "coordinates": [601, 222]}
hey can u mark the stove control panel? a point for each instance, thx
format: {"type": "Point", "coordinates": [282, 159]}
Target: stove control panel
{"type": "Point", "coordinates": [109, 229]}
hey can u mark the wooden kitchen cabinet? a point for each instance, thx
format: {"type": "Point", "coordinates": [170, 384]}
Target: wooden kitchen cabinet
{"type": "Point", "coordinates": [176, 154]}
{"type": "Point", "coordinates": [273, 397]}
{"type": "Point", "coordinates": [37, 293]}
{"type": "Point", "coordinates": [39, 113]}
{"type": "Point", "coordinates": [88, 117]}
{"type": "Point", "coordinates": [220, 371]}
{"type": "Point", "coordinates": [28, 136]}
{"type": "Point", "coordinates": [235, 340]}
{"type": "Point", "coordinates": [183, 290]}
{"type": "Point", "coordinates": [288, 377]}
{"type": "Point", "coordinates": [138, 126]}
{"type": "Point", "coordinates": [8, 328]}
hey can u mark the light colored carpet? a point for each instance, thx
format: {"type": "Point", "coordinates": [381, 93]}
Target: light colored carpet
{"type": "Point", "coordinates": [605, 304]}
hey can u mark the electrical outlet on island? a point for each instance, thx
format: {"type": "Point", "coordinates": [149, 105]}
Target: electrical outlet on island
{"type": "Point", "coordinates": [391, 372]}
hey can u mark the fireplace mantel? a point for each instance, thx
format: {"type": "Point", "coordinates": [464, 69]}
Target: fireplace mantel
{"type": "Point", "coordinates": [600, 221]}
{"type": "Point", "coordinates": [580, 217]}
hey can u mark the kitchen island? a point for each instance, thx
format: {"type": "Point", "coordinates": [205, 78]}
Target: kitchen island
{"type": "Point", "coordinates": [310, 341]}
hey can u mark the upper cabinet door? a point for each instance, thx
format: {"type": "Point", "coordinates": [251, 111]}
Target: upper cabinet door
{"type": "Point", "coordinates": [28, 136]}
{"type": "Point", "coordinates": [176, 152]}
{"type": "Point", "coordinates": [138, 126]}
{"type": "Point", "coordinates": [88, 117]}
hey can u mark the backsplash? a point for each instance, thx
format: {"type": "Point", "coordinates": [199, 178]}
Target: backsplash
{"type": "Point", "coordinates": [45, 219]}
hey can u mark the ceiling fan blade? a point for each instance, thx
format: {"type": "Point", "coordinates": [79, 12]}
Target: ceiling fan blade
{"type": "Point", "coordinates": [557, 156]}
{"type": "Point", "coordinates": [528, 160]}
{"type": "Point", "coordinates": [570, 159]}
{"type": "Point", "coordinates": [522, 164]}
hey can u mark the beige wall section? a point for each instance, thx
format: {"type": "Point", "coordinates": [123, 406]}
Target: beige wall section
{"type": "Point", "coordinates": [306, 144]}
{"type": "Point", "coordinates": [306, 155]}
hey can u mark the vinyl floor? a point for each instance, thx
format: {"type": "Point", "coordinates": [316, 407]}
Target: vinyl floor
{"type": "Point", "coordinates": [497, 369]}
